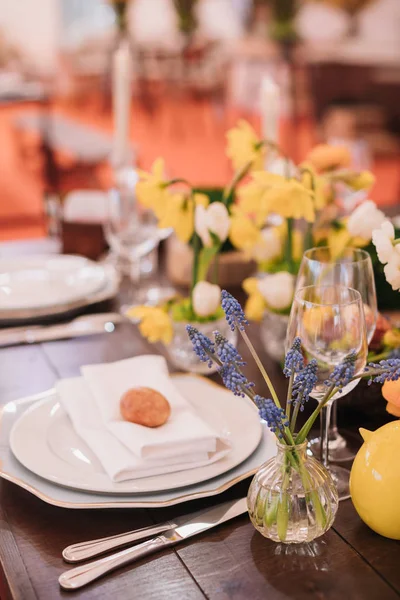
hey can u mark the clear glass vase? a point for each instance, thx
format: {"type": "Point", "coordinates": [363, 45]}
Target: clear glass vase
{"type": "Point", "coordinates": [273, 333]}
{"type": "Point", "coordinates": [292, 498]}
{"type": "Point", "coordinates": [180, 350]}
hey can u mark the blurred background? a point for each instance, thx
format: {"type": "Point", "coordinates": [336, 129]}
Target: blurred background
{"type": "Point", "coordinates": [197, 66]}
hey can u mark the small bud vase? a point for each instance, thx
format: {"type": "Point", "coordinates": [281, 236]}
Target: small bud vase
{"type": "Point", "coordinates": [180, 350]}
{"type": "Point", "coordinates": [292, 498]}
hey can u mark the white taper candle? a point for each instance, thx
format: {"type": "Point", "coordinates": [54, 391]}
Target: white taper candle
{"type": "Point", "coordinates": [269, 99]}
{"type": "Point", "coordinates": [121, 96]}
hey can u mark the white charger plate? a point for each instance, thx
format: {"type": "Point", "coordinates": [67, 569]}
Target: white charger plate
{"type": "Point", "coordinates": [31, 283]}
{"type": "Point", "coordinates": [44, 441]}
{"type": "Point", "coordinates": [13, 471]}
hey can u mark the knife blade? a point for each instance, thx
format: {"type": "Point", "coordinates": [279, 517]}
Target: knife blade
{"type": "Point", "coordinates": [81, 326]}
{"type": "Point", "coordinates": [187, 528]}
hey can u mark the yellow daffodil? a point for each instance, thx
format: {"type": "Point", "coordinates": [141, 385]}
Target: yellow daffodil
{"type": "Point", "coordinates": [270, 193]}
{"type": "Point", "coordinates": [391, 338]}
{"type": "Point", "coordinates": [154, 323]}
{"type": "Point", "coordinates": [179, 214]}
{"type": "Point", "coordinates": [243, 233]}
{"type": "Point", "coordinates": [151, 189]}
{"type": "Point", "coordinates": [328, 158]}
{"type": "Point", "coordinates": [292, 200]}
{"type": "Point", "coordinates": [244, 147]}
{"type": "Point", "coordinates": [254, 195]}
{"type": "Point", "coordinates": [358, 181]}
{"type": "Point", "coordinates": [316, 184]}
{"type": "Point", "coordinates": [255, 304]}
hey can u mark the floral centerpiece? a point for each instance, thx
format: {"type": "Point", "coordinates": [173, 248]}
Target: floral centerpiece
{"type": "Point", "coordinates": [205, 224]}
{"type": "Point", "coordinates": [292, 497]}
{"type": "Point", "coordinates": [287, 210]}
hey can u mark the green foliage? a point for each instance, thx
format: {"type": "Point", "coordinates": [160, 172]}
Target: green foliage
{"type": "Point", "coordinates": [182, 311]}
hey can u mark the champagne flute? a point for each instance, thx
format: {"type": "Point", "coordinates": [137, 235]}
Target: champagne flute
{"type": "Point", "coordinates": [353, 269]}
{"type": "Point", "coordinates": [330, 322]}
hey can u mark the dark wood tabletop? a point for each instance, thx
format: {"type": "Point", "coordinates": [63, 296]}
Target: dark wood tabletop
{"type": "Point", "coordinates": [232, 561]}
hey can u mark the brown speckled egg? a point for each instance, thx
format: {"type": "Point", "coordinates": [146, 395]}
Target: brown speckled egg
{"type": "Point", "coordinates": [145, 406]}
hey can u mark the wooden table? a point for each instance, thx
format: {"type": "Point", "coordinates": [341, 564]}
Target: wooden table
{"type": "Point", "coordinates": [232, 561]}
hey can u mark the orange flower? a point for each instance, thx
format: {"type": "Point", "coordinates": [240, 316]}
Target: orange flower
{"type": "Point", "coordinates": [327, 158]}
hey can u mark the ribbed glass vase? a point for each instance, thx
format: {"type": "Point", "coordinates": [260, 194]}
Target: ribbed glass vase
{"type": "Point", "coordinates": [292, 498]}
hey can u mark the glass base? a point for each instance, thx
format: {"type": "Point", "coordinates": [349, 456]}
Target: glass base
{"type": "Point", "coordinates": [343, 446]}
{"type": "Point", "coordinates": [341, 477]}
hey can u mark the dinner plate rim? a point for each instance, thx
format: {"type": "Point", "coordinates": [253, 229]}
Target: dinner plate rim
{"type": "Point", "coordinates": [54, 401]}
{"type": "Point", "coordinates": [22, 479]}
{"type": "Point", "coordinates": [100, 284]}
{"type": "Point", "coordinates": [29, 316]}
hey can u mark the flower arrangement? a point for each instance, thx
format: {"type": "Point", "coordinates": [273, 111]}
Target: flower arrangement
{"type": "Point", "coordinates": [302, 378]}
{"type": "Point", "coordinates": [239, 218]}
{"type": "Point", "coordinates": [294, 209]}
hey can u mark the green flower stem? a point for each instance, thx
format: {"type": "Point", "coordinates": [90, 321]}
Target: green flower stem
{"type": "Point", "coordinates": [295, 415]}
{"type": "Point", "coordinates": [270, 515]}
{"type": "Point", "coordinates": [195, 271]}
{"type": "Point", "coordinates": [261, 367]}
{"type": "Point", "coordinates": [283, 508]}
{"type": "Point", "coordinates": [237, 177]}
{"type": "Point", "coordinates": [289, 394]}
{"type": "Point", "coordinates": [289, 246]}
{"type": "Point", "coordinates": [304, 431]}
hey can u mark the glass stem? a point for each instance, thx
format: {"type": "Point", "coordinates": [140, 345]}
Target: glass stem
{"type": "Point", "coordinates": [325, 417]}
{"type": "Point", "coordinates": [333, 430]}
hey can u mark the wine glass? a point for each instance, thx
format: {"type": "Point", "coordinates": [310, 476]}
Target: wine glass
{"type": "Point", "coordinates": [130, 232]}
{"type": "Point", "coordinates": [330, 322]}
{"type": "Point", "coordinates": [353, 269]}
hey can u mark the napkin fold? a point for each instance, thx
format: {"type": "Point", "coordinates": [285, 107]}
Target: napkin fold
{"type": "Point", "coordinates": [127, 450]}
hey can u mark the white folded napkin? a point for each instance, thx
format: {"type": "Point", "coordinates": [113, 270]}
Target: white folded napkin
{"type": "Point", "coordinates": [127, 450]}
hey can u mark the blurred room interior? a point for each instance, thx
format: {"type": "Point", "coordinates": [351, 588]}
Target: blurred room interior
{"type": "Point", "coordinates": [197, 68]}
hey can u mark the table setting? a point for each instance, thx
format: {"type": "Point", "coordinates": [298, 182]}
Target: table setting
{"type": "Point", "coordinates": [166, 436]}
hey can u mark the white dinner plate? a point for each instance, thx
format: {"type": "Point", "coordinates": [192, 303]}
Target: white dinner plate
{"type": "Point", "coordinates": [44, 441]}
{"type": "Point", "coordinates": [30, 283]}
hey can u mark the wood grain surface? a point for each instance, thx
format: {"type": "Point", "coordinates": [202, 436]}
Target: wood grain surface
{"type": "Point", "coordinates": [231, 562]}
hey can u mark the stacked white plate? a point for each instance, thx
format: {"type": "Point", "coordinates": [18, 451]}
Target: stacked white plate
{"type": "Point", "coordinates": [45, 286]}
{"type": "Point", "coordinates": [40, 452]}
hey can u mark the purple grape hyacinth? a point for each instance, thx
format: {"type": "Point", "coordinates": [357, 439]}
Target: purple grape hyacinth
{"type": "Point", "coordinates": [304, 384]}
{"type": "Point", "coordinates": [226, 351]}
{"type": "Point", "coordinates": [343, 372]}
{"type": "Point", "coordinates": [294, 360]}
{"type": "Point", "coordinates": [392, 370]}
{"type": "Point", "coordinates": [274, 416]}
{"type": "Point", "coordinates": [233, 311]}
{"type": "Point", "coordinates": [202, 345]}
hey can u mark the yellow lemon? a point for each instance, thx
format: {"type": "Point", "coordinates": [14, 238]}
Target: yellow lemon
{"type": "Point", "coordinates": [375, 480]}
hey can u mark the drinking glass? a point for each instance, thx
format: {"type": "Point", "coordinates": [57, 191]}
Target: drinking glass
{"type": "Point", "coordinates": [330, 322]}
{"type": "Point", "coordinates": [352, 269]}
{"type": "Point", "coordinates": [130, 232]}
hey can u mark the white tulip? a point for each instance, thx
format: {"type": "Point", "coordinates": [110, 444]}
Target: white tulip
{"type": "Point", "coordinates": [206, 298]}
{"type": "Point", "coordinates": [213, 219]}
{"type": "Point", "coordinates": [383, 240]}
{"type": "Point", "coordinates": [269, 247]}
{"type": "Point", "coordinates": [392, 271]}
{"type": "Point", "coordinates": [277, 290]}
{"type": "Point", "coordinates": [364, 219]}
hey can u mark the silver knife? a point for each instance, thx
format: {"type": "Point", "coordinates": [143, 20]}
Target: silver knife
{"type": "Point", "coordinates": [85, 325]}
{"type": "Point", "coordinates": [187, 527]}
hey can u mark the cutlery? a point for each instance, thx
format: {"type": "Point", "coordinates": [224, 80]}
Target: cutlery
{"type": "Point", "coordinates": [85, 550]}
{"type": "Point", "coordinates": [187, 526]}
{"type": "Point", "coordinates": [84, 325]}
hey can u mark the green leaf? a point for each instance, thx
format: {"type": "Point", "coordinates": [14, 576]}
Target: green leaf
{"type": "Point", "coordinates": [206, 256]}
